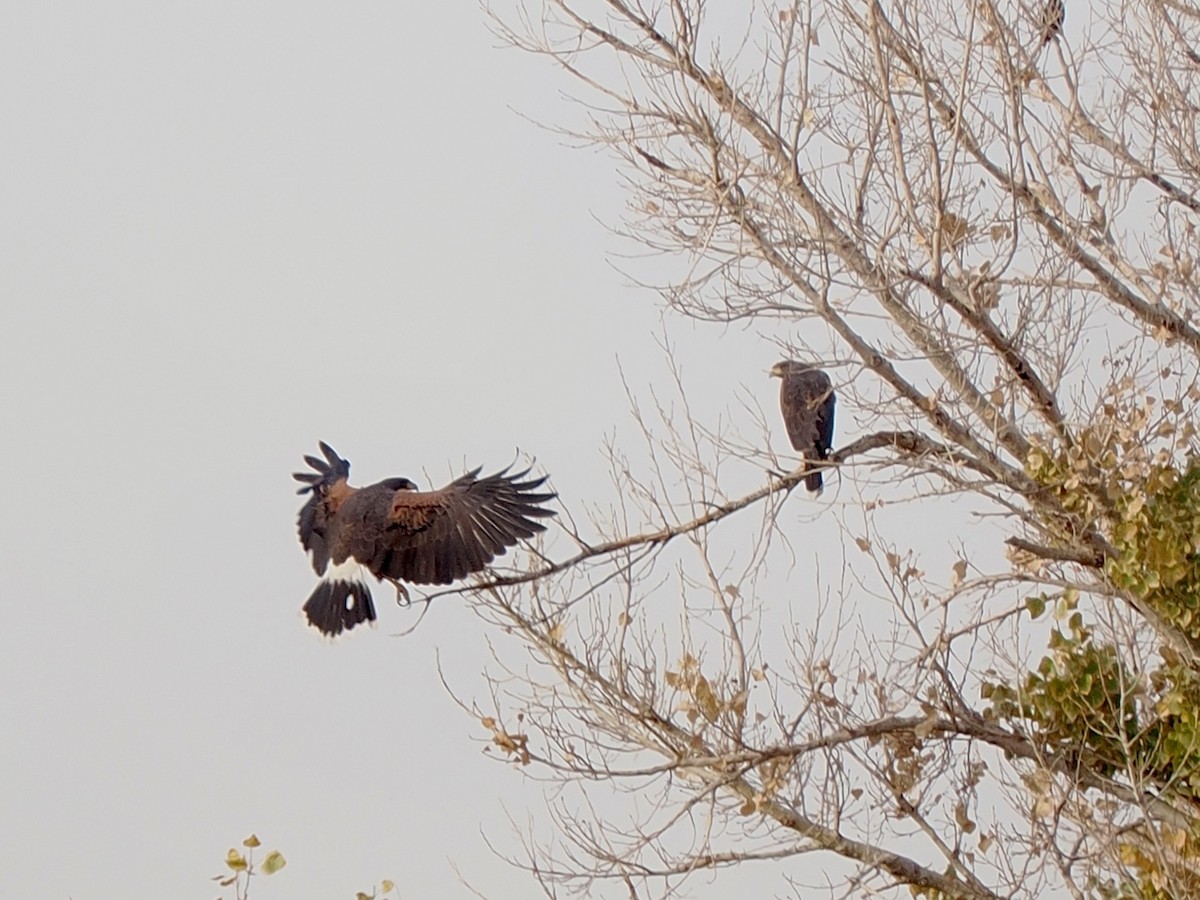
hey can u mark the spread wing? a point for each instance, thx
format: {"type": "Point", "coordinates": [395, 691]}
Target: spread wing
{"type": "Point", "coordinates": [436, 537]}
{"type": "Point", "coordinates": [327, 484]}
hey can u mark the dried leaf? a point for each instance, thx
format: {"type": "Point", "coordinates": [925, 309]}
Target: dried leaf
{"type": "Point", "coordinates": [1043, 194]}
{"type": "Point", "coordinates": [252, 841]}
{"type": "Point", "coordinates": [1176, 838]}
{"type": "Point", "coordinates": [924, 728]}
{"type": "Point", "coordinates": [273, 862]}
{"type": "Point", "coordinates": [987, 296]}
{"type": "Point", "coordinates": [737, 703]}
{"type": "Point", "coordinates": [509, 743]}
{"type": "Point", "coordinates": [863, 544]}
{"type": "Point", "coordinates": [960, 573]}
{"type": "Point", "coordinates": [235, 860]}
{"type": "Point", "coordinates": [710, 708]}
{"type": "Point", "coordinates": [963, 820]}
{"type": "Point", "coordinates": [955, 229]}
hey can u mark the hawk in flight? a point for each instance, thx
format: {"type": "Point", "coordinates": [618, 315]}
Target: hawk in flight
{"type": "Point", "coordinates": [807, 401]}
{"type": "Point", "coordinates": [398, 533]}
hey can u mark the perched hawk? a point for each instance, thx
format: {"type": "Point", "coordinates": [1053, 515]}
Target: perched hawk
{"type": "Point", "coordinates": [401, 534]}
{"type": "Point", "coordinates": [806, 398]}
{"type": "Point", "coordinates": [1051, 24]}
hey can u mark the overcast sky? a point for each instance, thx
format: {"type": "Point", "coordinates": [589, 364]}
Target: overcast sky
{"type": "Point", "coordinates": [228, 230]}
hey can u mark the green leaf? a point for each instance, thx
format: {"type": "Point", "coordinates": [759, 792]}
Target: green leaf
{"type": "Point", "coordinates": [1035, 605]}
{"type": "Point", "coordinates": [235, 860]}
{"type": "Point", "coordinates": [273, 862]}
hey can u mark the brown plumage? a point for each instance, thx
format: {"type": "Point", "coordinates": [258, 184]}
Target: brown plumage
{"type": "Point", "coordinates": [807, 402]}
{"type": "Point", "coordinates": [1053, 14]}
{"type": "Point", "coordinates": [401, 534]}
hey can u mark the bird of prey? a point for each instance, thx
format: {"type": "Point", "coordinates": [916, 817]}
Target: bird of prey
{"type": "Point", "coordinates": [1053, 14]}
{"type": "Point", "coordinates": [806, 399]}
{"type": "Point", "coordinates": [398, 533]}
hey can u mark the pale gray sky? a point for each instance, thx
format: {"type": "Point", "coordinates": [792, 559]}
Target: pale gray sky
{"type": "Point", "coordinates": [228, 230]}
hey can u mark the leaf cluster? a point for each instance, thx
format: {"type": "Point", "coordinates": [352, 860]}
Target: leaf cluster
{"type": "Point", "coordinates": [1083, 697]}
{"type": "Point", "coordinates": [1080, 701]}
{"type": "Point", "coordinates": [1157, 539]}
{"type": "Point", "coordinates": [243, 868]}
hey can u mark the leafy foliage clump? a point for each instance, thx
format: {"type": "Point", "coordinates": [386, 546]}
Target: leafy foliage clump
{"type": "Point", "coordinates": [1079, 701]}
{"type": "Point", "coordinates": [1084, 702]}
{"type": "Point", "coordinates": [1147, 507]}
{"type": "Point", "coordinates": [1157, 540]}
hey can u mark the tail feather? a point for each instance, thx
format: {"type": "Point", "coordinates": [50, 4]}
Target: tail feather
{"type": "Point", "coordinates": [340, 601]}
{"type": "Point", "coordinates": [814, 482]}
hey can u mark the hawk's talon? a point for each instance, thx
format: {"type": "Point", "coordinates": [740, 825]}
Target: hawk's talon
{"type": "Point", "coordinates": [403, 600]}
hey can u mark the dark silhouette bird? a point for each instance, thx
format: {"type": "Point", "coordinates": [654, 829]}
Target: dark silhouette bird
{"type": "Point", "coordinates": [807, 401]}
{"type": "Point", "coordinates": [398, 533]}
{"type": "Point", "coordinates": [1053, 14]}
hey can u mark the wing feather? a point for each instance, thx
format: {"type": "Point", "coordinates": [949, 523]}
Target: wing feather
{"type": "Point", "coordinates": [328, 488]}
{"type": "Point", "coordinates": [825, 424]}
{"type": "Point", "coordinates": [436, 537]}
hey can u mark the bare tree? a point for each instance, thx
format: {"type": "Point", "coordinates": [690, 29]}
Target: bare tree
{"type": "Point", "coordinates": [986, 233]}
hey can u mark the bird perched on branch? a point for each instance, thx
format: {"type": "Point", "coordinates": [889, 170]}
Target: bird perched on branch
{"type": "Point", "coordinates": [1053, 14]}
{"type": "Point", "coordinates": [807, 401]}
{"type": "Point", "coordinates": [398, 533]}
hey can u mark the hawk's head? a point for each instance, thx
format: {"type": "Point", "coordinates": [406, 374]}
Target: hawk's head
{"type": "Point", "coordinates": [788, 367]}
{"type": "Point", "coordinates": [399, 484]}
